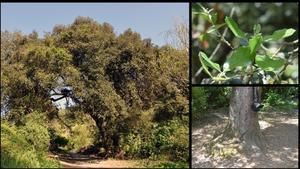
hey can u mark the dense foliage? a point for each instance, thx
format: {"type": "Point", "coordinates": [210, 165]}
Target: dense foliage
{"type": "Point", "coordinates": [207, 98]}
{"type": "Point", "coordinates": [25, 146]}
{"type": "Point", "coordinates": [254, 54]}
{"type": "Point", "coordinates": [116, 80]}
{"type": "Point", "coordinates": [280, 98]}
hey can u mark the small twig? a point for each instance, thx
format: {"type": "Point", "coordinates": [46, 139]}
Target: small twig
{"type": "Point", "coordinates": [283, 44]}
{"type": "Point", "coordinates": [282, 70]}
{"type": "Point", "coordinates": [290, 43]}
{"type": "Point", "coordinates": [264, 48]}
{"type": "Point", "coordinates": [275, 53]}
{"type": "Point", "coordinates": [290, 61]}
{"type": "Point", "coordinates": [226, 42]}
{"type": "Point", "coordinates": [292, 52]}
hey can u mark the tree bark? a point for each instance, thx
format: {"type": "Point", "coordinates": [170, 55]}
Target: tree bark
{"type": "Point", "coordinates": [105, 139]}
{"type": "Point", "coordinates": [243, 120]}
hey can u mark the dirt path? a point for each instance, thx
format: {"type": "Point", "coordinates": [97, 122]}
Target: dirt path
{"type": "Point", "coordinates": [73, 160]}
{"type": "Point", "coordinates": [100, 164]}
{"type": "Point", "coordinates": [281, 133]}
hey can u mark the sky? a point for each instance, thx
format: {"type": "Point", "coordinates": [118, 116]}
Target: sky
{"type": "Point", "coordinates": [151, 20]}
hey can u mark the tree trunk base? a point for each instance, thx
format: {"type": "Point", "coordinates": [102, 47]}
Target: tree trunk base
{"type": "Point", "coordinates": [254, 140]}
{"type": "Point", "coordinates": [248, 143]}
{"type": "Point", "coordinates": [219, 138]}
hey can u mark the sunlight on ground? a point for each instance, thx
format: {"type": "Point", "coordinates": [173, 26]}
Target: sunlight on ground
{"type": "Point", "coordinates": [264, 124]}
{"type": "Point", "coordinates": [291, 121]}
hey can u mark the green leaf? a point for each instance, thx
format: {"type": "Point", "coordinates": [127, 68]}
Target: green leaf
{"type": "Point", "coordinates": [279, 34]}
{"type": "Point", "coordinates": [205, 16]}
{"type": "Point", "coordinates": [203, 37]}
{"type": "Point", "coordinates": [240, 57]}
{"type": "Point", "coordinates": [267, 63]}
{"type": "Point", "coordinates": [256, 29]}
{"type": "Point", "coordinates": [234, 28]}
{"type": "Point", "coordinates": [254, 44]}
{"type": "Point", "coordinates": [202, 7]}
{"type": "Point", "coordinates": [213, 18]}
{"type": "Point", "coordinates": [196, 8]}
{"type": "Point", "coordinates": [207, 62]}
{"type": "Point", "coordinates": [215, 27]}
{"type": "Point", "coordinates": [204, 64]}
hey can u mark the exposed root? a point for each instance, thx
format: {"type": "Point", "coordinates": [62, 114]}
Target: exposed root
{"type": "Point", "coordinates": [223, 143]}
{"type": "Point", "coordinates": [255, 140]}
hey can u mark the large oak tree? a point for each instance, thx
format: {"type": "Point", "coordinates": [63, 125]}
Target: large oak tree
{"type": "Point", "coordinates": [111, 78]}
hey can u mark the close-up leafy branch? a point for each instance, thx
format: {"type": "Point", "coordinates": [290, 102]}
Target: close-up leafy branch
{"type": "Point", "coordinates": [252, 60]}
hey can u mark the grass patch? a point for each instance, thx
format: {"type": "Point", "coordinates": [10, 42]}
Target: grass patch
{"type": "Point", "coordinates": [171, 165]}
{"type": "Point", "coordinates": [163, 164]}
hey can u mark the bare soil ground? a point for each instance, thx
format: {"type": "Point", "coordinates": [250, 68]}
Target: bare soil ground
{"type": "Point", "coordinates": [281, 134]}
{"type": "Point", "coordinates": [73, 160]}
{"type": "Point", "coordinates": [100, 164]}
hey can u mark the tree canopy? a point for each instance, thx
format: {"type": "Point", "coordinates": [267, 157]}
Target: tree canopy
{"type": "Point", "coordinates": [110, 77]}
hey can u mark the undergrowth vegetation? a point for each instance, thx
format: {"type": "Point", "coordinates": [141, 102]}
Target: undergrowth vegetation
{"type": "Point", "coordinates": [75, 128]}
{"type": "Point", "coordinates": [207, 99]}
{"type": "Point", "coordinates": [25, 146]}
{"type": "Point", "coordinates": [281, 99]}
{"type": "Point", "coordinates": [165, 140]}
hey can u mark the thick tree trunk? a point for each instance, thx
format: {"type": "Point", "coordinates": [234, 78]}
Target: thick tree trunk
{"type": "Point", "coordinates": [102, 139]}
{"type": "Point", "coordinates": [243, 120]}
{"type": "Point", "coordinates": [105, 140]}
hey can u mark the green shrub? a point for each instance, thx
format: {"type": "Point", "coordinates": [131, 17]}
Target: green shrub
{"type": "Point", "coordinates": [280, 98]}
{"type": "Point", "coordinates": [35, 131]}
{"type": "Point", "coordinates": [273, 98]}
{"type": "Point", "coordinates": [178, 140]}
{"type": "Point", "coordinates": [162, 134]}
{"type": "Point", "coordinates": [218, 96]}
{"type": "Point", "coordinates": [72, 131]}
{"type": "Point", "coordinates": [283, 92]}
{"type": "Point", "coordinates": [132, 144]}
{"type": "Point", "coordinates": [199, 102]}
{"type": "Point", "coordinates": [20, 150]}
{"type": "Point", "coordinates": [221, 100]}
{"type": "Point", "coordinates": [205, 98]}
{"type": "Point", "coordinates": [168, 140]}
{"type": "Point", "coordinates": [81, 136]}
{"type": "Point", "coordinates": [170, 165]}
